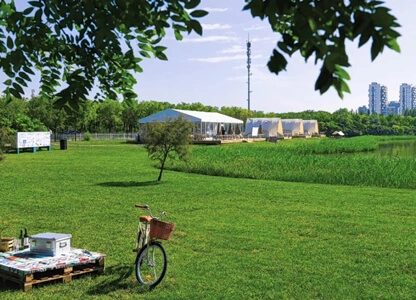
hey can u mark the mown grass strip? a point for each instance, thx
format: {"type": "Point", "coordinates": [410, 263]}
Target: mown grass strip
{"type": "Point", "coordinates": [235, 238]}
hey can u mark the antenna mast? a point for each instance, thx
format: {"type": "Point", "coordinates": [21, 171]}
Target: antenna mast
{"type": "Point", "coordinates": [248, 71]}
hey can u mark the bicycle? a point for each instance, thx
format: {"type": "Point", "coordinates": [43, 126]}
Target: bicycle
{"type": "Point", "coordinates": [151, 261]}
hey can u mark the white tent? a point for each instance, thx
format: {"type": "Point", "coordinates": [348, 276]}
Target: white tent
{"type": "Point", "coordinates": [338, 133]}
{"type": "Point", "coordinates": [310, 127]}
{"type": "Point", "coordinates": [270, 126]}
{"type": "Point", "coordinates": [292, 127]}
{"type": "Point", "coordinates": [205, 123]}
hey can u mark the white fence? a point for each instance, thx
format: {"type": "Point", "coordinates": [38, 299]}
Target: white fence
{"type": "Point", "coordinates": [94, 136]}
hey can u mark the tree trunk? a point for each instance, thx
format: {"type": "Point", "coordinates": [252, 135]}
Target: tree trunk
{"type": "Point", "coordinates": [161, 167]}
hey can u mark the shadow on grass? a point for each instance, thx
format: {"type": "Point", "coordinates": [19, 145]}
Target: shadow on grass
{"type": "Point", "coordinates": [119, 278]}
{"type": "Point", "coordinates": [130, 183]}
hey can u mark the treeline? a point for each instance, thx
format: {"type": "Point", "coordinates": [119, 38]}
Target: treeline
{"type": "Point", "coordinates": [39, 114]}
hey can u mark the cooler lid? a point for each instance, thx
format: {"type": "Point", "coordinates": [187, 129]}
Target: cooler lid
{"type": "Point", "coordinates": [51, 236]}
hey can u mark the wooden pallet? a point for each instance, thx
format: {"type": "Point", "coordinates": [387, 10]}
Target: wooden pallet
{"type": "Point", "coordinates": [66, 274]}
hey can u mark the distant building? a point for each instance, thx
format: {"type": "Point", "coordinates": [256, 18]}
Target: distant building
{"type": "Point", "coordinates": [377, 99]}
{"type": "Point", "coordinates": [363, 110]}
{"type": "Point", "coordinates": [393, 108]}
{"type": "Point", "coordinates": [407, 98]}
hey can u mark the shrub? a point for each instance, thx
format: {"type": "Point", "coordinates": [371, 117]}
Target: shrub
{"type": "Point", "coordinates": [87, 136]}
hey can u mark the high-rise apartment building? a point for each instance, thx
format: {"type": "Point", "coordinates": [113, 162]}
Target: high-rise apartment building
{"type": "Point", "coordinates": [393, 108]}
{"type": "Point", "coordinates": [377, 99]}
{"type": "Point", "coordinates": [407, 98]}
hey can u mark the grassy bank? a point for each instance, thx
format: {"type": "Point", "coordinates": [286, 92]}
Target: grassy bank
{"type": "Point", "coordinates": [326, 161]}
{"type": "Point", "coordinates": [235, 238]}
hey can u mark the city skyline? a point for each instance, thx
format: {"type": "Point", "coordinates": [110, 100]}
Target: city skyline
{"type": "Point", "coordinates": [379, 103]}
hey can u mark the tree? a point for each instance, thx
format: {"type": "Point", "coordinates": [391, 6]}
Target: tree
{"type": "Point", "coordinates": [168, 139]}
{"type": "Point", "coordinates": [130, 116]}
{"type": "Point", "coordinates": [85, 42]}
{"type": "Point", "coordinates": [109, 114]}
{"type": "Point", "coordinates": [322, 27]}
{"type": "Point", "coordinates": [80, 43]}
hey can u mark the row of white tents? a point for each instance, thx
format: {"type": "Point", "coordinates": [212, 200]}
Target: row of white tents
{"type": "Point", "coordinates": [281, 127]}
{"type": "Point", "coordinates": [212, 124]}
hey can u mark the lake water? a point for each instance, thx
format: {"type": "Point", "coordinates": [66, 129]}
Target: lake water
{"type": "Point", "coordinates": [400, 149]}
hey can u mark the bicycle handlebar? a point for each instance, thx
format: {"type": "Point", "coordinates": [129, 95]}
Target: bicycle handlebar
{"type": "Point", "coordinates": [146, 207]}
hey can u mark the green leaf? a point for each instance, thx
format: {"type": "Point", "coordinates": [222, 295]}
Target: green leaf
{"type": "Point", "coordinates": [341, 73]}
{"type": "Point", "coordinates": [345, 87]}
{"type": "Point", "coordinates": [145, 54]}
{"type": "Point", "coordinates": [138, 68]}
{"type": "Point", "coordinates": [324, 81]}
{"type": "Point", "coordinates": [256, 8]}
{"type": "Point", "coordinates": [15, 93]}
{"type": "Point", "coordinates": [21, 81]}
{"type": "Point", "coordinates": [28, 11]}
{"type": "Point", "coordinates": [18, 87]}
{"type": "Point", "coordinates": [9, 42]}
{"type": "Point", "coordinates": [277, 62]}
{"type": "Point", "coordinates": [382, 17]}
{"type": "Point", "coordinates": [35, 3]}
{"type": "Point", "coordinates": [28, 70]}
{"type": "Point", "coordinates": [199, 13]}
{"type": "Point", "coordinates": [130, 95]}
{"type": "Point", "coordinates": [145, 47]}
{"type": "Point", "coordinates": [142, 39]}
{"type": "Point", "coordinates": [24, 76]}
{"type": "Point", "coordinates": [376, 47]}
{"type": "Point", "coordinates": [365, 36]}
{"type": "Point", "coordinates": [161, 56]}
{"type": "Point", "coordinates": [160, 48]}
{"type": "Point", "coordinates": [192, 4]}
{"type": "Point", "coordinates": [178, 35]}
{"type": "Point", "coordinates": [312, 24]}
{"type": "Point", "coordinates": [59, 102]}
{"type": "Point", "coordinates": [392, 44]}
{"type": "Point", "coordinates": [8, 82]}
{"type": "Point", "coordinates": [196, 26]}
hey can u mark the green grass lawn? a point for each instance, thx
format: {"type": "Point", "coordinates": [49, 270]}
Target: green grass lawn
{"type": "Point", "coordinates": [235, 238]}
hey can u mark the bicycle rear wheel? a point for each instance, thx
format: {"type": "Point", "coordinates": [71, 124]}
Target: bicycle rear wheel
{"type": "Point", "coordinates": [151, 264]}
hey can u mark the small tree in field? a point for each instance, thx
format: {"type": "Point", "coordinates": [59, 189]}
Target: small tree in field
{"type": "Point", "coordinates": [170, 138]}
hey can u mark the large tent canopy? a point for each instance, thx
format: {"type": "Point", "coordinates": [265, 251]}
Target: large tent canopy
{"type": "Point", "coordinates": [205, 123]}
{"type": "Point", "coordinates": [293, 127]}
{"type": "Point", "coordinates": [310, 127]}
{"type": "Point", "coordinates": [269, 126]}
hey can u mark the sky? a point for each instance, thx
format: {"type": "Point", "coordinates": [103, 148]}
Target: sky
{"type": "Point", "coordinates": [212, 68]}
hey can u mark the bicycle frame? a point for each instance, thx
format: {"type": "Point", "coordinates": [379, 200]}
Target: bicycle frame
{"type": "Point", "coordinates": [143, 237]}
{"type": "Point", "coordinates": [151, 261]}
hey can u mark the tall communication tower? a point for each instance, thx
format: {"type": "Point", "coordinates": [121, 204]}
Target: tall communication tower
{"type": "Point", "coordinates": [248, 71]}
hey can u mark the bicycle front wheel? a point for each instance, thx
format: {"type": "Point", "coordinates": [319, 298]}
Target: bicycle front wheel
{"type": "Point", "coordinates": [151, 264]}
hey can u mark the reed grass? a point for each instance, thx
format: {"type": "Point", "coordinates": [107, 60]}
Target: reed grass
{"type": "Point", "coordinates": [327, 161]}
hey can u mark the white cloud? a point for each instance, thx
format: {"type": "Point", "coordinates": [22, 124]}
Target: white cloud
{"type": "Point", "coordinates": [215, 26]}
{"type": "Point", "coordinates": [254, 28]}
{"type": "Point", "coordinates": [214, 38]}
{"type": "Point", "coordinates": [264, 39]}
{"type": "Point", "coordinates": [234, 49]}
{"type": "Point", "coordinates": [217, 59]}
{"type": "Point", "coordinates": [215, 9]}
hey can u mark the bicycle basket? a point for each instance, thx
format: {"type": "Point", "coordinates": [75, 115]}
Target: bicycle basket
{"type": "Point", "coordinates": [161, 230]}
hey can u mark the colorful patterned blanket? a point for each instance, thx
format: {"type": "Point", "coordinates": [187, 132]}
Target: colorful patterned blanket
{"type": "Point", "coordinates": [24, 262]}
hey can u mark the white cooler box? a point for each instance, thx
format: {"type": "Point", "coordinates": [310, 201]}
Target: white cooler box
{"type": "Point", "coordinates": [49, 243]}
